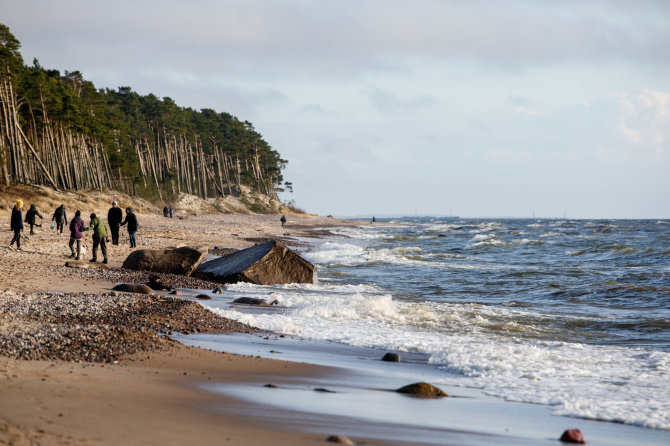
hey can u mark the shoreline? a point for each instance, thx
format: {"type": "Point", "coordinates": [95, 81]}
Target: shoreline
{"type": "Point", "coordinates": [159, 396]}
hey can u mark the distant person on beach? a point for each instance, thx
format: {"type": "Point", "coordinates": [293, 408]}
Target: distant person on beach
{"type": "Point", "coordinates": [165, 211]}
{"type": "Point", "coordinates": [60, 217]}
{"type": "Point", "coordinates": [171, 212]}
{"type": "Point", "coordinates": [30, 217]}
{"type": "Point", "coordinates": [114, 218]}
{"type": "Point", "coordinates": [16, 225]}
{"type": "Point", "coordinates": [373, 219]}
{"type": "Point", "coordinates": [99, 236]}
{"type": "Point", "coordinates": [77, 234]}
{"type": "Point", "coordinates": [283, 221]}
{"type": "Point", "coordinates": [131, 220]}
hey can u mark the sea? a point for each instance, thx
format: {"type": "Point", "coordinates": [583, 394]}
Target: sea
{"type": "Point", "coordinates": [571, 314]}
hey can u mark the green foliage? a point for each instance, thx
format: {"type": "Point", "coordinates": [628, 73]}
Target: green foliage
{"type": "Point", "coordinates": [120, 119]}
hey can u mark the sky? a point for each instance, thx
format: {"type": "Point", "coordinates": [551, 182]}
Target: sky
{"type": "Point", "coordinates": [395, 107]}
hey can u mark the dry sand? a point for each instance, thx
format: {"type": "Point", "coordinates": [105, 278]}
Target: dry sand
{"type": "Point", "coordinates": [147, 397]}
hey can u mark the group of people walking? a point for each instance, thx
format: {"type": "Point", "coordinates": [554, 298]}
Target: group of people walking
{"type": "Point", "coordinates": [77, 227]}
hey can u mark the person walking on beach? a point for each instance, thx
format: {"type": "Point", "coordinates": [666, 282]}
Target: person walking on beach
{"type": "Point", "coordinates": [165, 211]}
{"type": "Point", "coordinates": [131, 220]}
{"type": "Point", "coordinates": [99, 236]}
{"type": "Point", "coordinates": [30, 217]}
{"type": "Point", "coordinates": [60, 217]}
{"type": "Point", "coordinates": [77, 234]}
{"type": "Point", "coordinates": [283, 221]}
{"type": "Point", "coordinates": [114, 218]}
{"type": "Point", "coordinates": [171, 212]}
{"type": "Point", "coordinates": [16, 225]}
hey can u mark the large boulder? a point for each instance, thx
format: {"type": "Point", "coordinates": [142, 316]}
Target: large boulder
{"type": "Point", "coordinates": [183, 260]}
{"type": "Point", "coordinates": [264, 264]}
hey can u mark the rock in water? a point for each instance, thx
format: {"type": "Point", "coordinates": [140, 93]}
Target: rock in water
{"type": "Point", "coordinates": [422, 390]}
{"type": "Point", "coordinates": [183, 260]}
{"type": "Point", "coordinates": [573, 436]}
{"type": "Point", "coordinates": [264, 264]}
{"type": "Point", "coordinates": [203, 297]}
{"type": "Point", "coordinates": [391, 357]}
{"type": "Point", "coordinates": [251, 301]}
{"type": "Point", "coordinates": [133, 288]}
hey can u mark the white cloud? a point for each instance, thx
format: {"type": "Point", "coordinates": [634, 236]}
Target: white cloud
{"type": "Point", "coordinates": [645, 121]}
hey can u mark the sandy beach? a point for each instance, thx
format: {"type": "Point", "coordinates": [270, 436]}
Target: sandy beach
{"type": "Point", "coordinates": [145, 396]}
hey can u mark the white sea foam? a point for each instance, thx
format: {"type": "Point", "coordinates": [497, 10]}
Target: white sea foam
{"type": "Point", "coordinates": [497, 348]}
{"type": "Point", "coordinates": [598, 382]}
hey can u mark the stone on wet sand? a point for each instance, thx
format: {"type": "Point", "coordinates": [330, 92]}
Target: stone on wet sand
{"type": "Point", "coordinates": [573, 436]}
{"type": "Point", "coordinates": [391, 357]}
{"type": "Point", "coordinates": [422, 390]}
{"type": "Point", "coordinates": [203, 297]}
{"type": "Point", "coordinates": [340, 439]}
{"type": "Point", "coordinates": [265, 264]}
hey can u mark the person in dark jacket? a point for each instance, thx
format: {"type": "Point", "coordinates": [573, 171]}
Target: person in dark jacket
{"type": "Point", "coordinates": [165, 211]}
{"type": "Point", "coordinates": [114, 218]}
{"type": "Point", "coordinates": [99, 236]}
{"type": "Point", "coordinates": [131, 220]}
{"type": "Point", "coordinates": [30, 217]}
{"type": "Point", "coordinates": [76, 234]}
{"type": "Point", "coordinates": [16, 225]}
{"type": "Point", "coordinates": [60, 217]}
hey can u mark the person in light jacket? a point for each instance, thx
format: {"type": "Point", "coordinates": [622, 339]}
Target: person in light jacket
{"type": "Point", "coordinates": [99, 236]}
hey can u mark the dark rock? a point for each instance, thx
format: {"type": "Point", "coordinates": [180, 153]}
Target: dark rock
{"type": "Point", "coordinates": [573, 436]}
{"type": "Point", "coordinates": [158, 284]}
{"type": "Point", "coordinates": [203, 297]}
{"type": "Point", "coordinates": [322, 390]}
{"type": "Point", "coordinates": [137, 288]}
{"type": "Point", "coordinates": [251, 301]}
{"type": "Point", "coordinates": [264, 264]}
{"type": "Point", "coordinates": [272, 386]}
{"type": "Point", "coordinates": [422, 390]}
{"type": "Point", "coordinates": [217, 290]}
{"type": "Point", "coordinates": [341, 439]}
{"type": "Point", "coordinates": [391, 357]}
{"type": "Point", "coordinates": [184, 260]}
{"type": "Point", "coordinates": [175, 292]}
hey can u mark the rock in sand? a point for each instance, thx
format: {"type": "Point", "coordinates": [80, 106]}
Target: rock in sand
{"type": "Point", "coordinates": [573, 436]}
{"type": "Point", "coordinates": [184, 260]}
{"type": "Point", "coordinates": [422, 390]}
{"type": "Point", "coordinates": [136, 288]}
{"type": "Point", "coordinates": [340, 439]}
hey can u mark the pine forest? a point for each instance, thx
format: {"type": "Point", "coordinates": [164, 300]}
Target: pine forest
{"type": "Point", "coordinates": [59, 130]}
